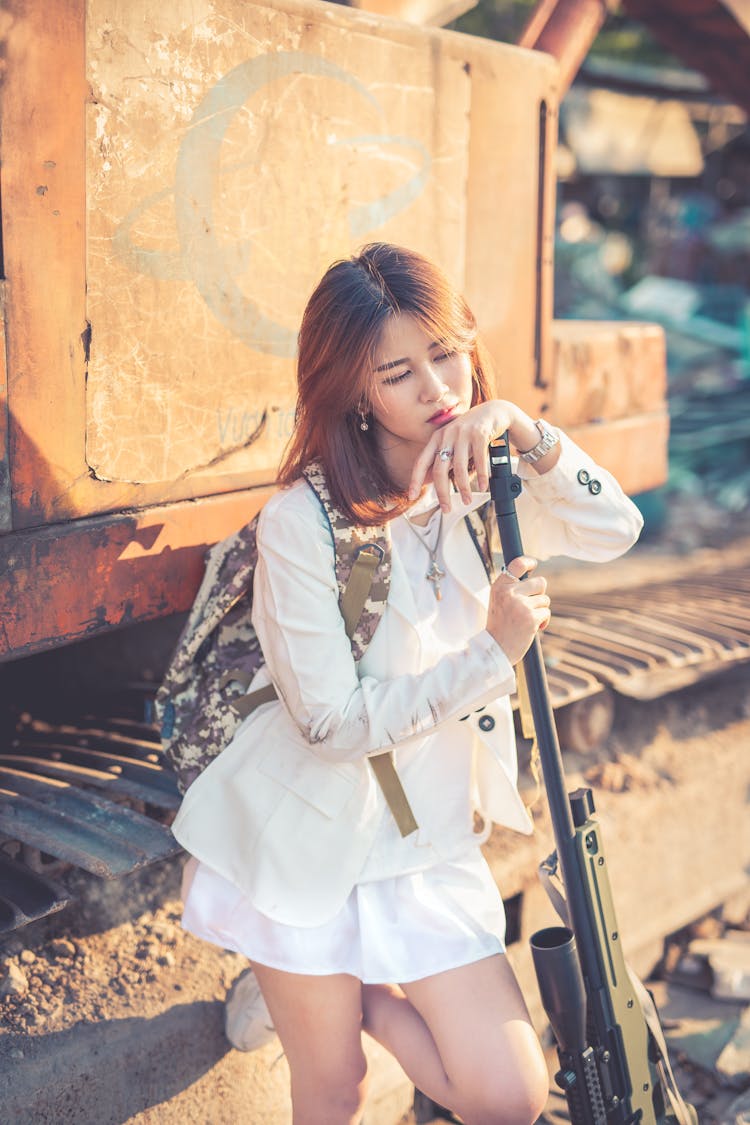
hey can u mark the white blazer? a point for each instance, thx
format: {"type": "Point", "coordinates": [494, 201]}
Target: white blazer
{"type": "Point", "coordinates": [289, 811]}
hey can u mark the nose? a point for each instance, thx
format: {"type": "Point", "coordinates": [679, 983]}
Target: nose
{"type": "Point", "coordinates": [433, 386]}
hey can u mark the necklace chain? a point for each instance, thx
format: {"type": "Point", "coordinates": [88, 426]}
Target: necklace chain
{"type": "Point", "coordinates": [434, 573]}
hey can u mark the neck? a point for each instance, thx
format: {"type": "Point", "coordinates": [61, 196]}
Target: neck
{"type": "Point", "coordinates": [399, 457]}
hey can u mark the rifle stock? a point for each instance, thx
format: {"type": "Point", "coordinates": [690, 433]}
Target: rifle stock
{"type": "Point", "coordinates": [609, 1069]}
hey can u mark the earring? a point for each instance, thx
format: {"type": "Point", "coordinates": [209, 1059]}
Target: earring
{"type": "Point", "coordinates": [363, 423]}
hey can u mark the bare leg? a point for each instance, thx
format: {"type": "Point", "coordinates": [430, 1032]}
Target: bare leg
{"type": "Point", "coordinates": [465, 1039]}
{"type": "Point", "coordinates": [318, 1020]}
{"type": "Point", "coordinates": [391, 1019]}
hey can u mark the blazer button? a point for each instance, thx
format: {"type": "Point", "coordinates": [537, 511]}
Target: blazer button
{"type": "Point", "coordinates": [595, 487]}
{"type": "Point", "coordinates": [583, 476]}
{"type": "Point", "coordinates": [486, 722]}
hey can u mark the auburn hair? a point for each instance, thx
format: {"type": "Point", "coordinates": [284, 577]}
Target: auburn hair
{"type": "Point", "coordinates": [340, 331]}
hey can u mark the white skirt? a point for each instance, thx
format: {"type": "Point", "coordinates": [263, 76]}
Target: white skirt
{"type": "Point", "coordinates": [389, 931]}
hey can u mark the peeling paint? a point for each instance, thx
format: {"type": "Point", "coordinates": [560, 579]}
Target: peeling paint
{"type": "Point", "coordinates": [232, 155]}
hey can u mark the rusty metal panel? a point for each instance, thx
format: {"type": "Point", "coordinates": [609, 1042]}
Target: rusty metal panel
{"type": "Point", "coordinates": [43, 232]}
{"type": "Point", "coordinates": [165, 294]}
{"type": "Point", "coordinates": [605, 370]}
{"type": "Point", "coordinates": [5, 512]}
{"type": "Point", "coordinates": [510, 231]}
{"type": "Point", "coordinates": [309, 161]}
{"type": "Point", "coordinates": [609, 391]}
{"type": "Point", "coordinates": [255, 146]}
{"type": "Point", "coordinates": [62, 583]}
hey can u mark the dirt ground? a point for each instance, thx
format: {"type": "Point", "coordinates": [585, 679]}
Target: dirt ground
{"type": "Point", "coordinates": [119, 953]}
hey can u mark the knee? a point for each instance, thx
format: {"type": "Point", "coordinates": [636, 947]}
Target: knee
{"type": "Point", "coordinates": [334, 1095]}
{"type": "Point", "coordinates": [518, 1100]}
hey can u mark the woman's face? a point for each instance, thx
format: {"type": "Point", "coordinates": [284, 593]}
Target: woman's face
{"type": "Point", "coordinates": [418, 387]}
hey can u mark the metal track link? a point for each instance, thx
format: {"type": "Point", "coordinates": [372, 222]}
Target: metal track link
{"type": "Point", "coordinates": [92, 792]}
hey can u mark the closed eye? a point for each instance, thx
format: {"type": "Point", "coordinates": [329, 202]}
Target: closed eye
{"type": "Point", "coordinates": [393, 379]}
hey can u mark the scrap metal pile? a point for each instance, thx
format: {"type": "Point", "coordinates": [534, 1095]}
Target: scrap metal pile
{"type": "Point", "coordinates": [704, 309]}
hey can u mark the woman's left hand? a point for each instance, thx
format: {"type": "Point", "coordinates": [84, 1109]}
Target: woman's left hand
{"type": "Point", "coordinates": [467, 437]}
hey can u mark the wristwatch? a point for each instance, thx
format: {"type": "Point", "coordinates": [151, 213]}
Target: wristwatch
{"type": "Point", "coordinates": [548, 440]}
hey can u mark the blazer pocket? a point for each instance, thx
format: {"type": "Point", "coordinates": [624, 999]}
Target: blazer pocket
{"type": "Point", "coordinates": [327, 788]}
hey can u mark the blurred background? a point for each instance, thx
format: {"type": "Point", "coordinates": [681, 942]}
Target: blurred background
{"type": "Point", "coordinates": [653, 223]}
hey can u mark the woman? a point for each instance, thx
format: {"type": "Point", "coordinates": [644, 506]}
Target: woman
{"type": "Point", "coordinates": [300, 863]}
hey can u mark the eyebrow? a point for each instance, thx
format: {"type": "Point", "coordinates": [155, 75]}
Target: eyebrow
{"type": "Point", "coordinates": [393, 363]}
{"type": "Point", "coordinates": [397, 362]}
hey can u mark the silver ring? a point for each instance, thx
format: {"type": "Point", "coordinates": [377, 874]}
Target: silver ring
{"type": "Point", "coordinates": [445, 454]}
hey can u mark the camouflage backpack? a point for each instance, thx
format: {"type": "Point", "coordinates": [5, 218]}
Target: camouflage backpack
{"type": "Point", "coordinates": [203, 697]}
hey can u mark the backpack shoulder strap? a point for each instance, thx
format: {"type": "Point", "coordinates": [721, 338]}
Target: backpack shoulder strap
{"type": "Point", "coordinates": [363, 575]}
{"type": "Point", "coordinates": [363, 566]}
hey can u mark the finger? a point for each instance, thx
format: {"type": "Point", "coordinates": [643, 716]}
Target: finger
{"type": "Point", "coordinates": [441, 468]}
{"type": "Point", "coordinates": [481, 463]}
{"type": "Point", "coordinates": [533, 588]}
{"type": "Point", "coordinates": [536, 600]}
{"type": "Point", "coordinates": [461, 468]}
{"type": "Point", "coordinates": [422, 466]}
{"type": "Point", "coordinates": [521, 566]}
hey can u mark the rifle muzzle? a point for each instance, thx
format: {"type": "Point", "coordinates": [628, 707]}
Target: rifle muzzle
{"type": "Point", "coordinates": [558, 972]}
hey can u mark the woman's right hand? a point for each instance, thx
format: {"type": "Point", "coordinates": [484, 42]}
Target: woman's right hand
{"type": "Point", "coordinates": [517, 609]}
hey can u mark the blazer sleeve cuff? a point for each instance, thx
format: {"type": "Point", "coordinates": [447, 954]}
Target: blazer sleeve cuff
{"type": "Point", "coordinates": [498, 668]}
{"type": "Point", "coordinates": [558, 481]}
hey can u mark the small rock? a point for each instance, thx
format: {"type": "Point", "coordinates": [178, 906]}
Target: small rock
{"type": "Point", "coordinates": [164, 932]}
{"type": "Point", "coordinates": [691, 969]}
{"type": "Point", "coordinates": [734, 1060]}
{"type": "Point", "coordinates": [27, 957]}
{"type": "Point", "coordinates": [166, 959]}
{"type": "Point", "coordinates": [61, 947]}
{"type": "Point", "coordinates": [729, 960]}
{"type": "Point", "coordinates": [16, 1053]}
{"type": "Point", "coordinates": [14, 982]}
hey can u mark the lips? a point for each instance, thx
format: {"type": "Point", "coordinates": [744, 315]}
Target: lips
{"type": "Point", "coordinates": [443, 416]}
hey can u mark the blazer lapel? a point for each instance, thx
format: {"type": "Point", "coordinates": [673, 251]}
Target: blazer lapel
{"type": "Point", "coordinates": [400, 596]}
{"type": "Point", "coordinates": [460, 553]}
{"type": "Point", "coordinates": [461, 558]}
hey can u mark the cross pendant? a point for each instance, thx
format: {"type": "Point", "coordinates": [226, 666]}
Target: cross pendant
{"type": "Point", "coordinates": [434, 574]}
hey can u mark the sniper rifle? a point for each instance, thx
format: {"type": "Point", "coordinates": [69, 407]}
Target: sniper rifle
{"type": "Point", "coordinates": [614, 1068]}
